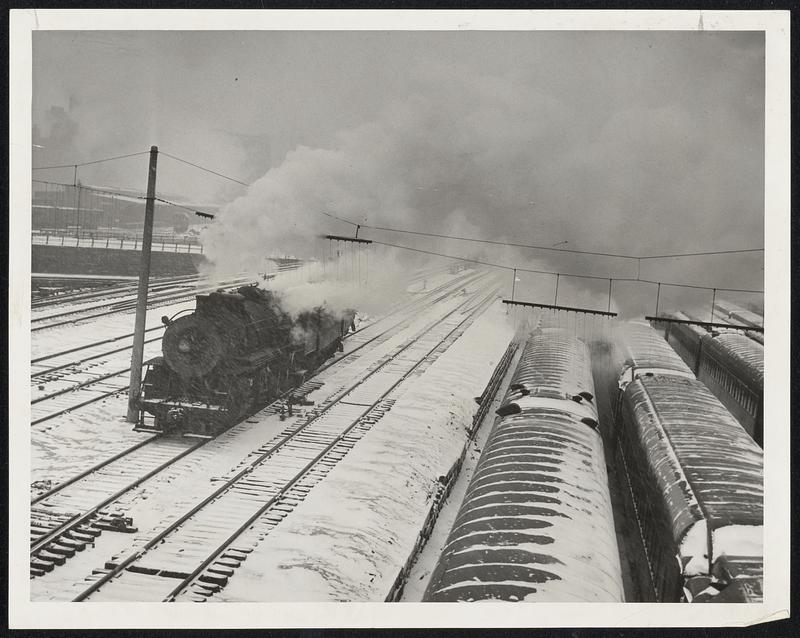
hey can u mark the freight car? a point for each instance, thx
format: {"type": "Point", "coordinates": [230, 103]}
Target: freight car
{"type": "Point", "coordinates": [695, 478]}
{"type": "Point", "coordinates": [730, 364]}
{"type": "Point", "coordinates": [536, 523]}
{"type": "Point", "coordinates": [231, 356]}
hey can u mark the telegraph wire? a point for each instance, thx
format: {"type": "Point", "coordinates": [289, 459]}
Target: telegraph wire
{"type": "Point", "coordinates": [561, 274]}
{"type": "Point", "coordinates": [203, 168]}
{"type": "Point", "coordinates": [105, 159]}
{"type": "Point", "coordinates": [536, 247]}
{"type": "Point", "coordinates": [707, 252]}
{"type": "Point", "coordinates": [91, 188]}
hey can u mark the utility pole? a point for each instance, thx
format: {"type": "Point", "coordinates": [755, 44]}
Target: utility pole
{"type": "Point", "coordinates": [141, 301]}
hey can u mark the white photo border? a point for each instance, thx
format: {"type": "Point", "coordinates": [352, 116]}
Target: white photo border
{"type": "Point", "coordinates": [775, 24]}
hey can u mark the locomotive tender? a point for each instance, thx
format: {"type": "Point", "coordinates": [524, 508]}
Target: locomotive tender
{"type": "Point", "coordinates": [234, 354]}
{"type": "Point", "coordinates": [536, 523]}
{"type": "Point", "coordinates": [731, 364]}
{"type": "Point", "coordinates": [695, 477]}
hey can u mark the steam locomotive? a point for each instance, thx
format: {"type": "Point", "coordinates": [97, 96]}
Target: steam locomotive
{"type": "Point", "coordinates": [234, 354]}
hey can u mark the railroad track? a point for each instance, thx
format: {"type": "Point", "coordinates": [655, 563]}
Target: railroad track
{"type": "Point", "coordinates": [108, 378]}
{"type": "Point", "coordinates": [66, 519]}
{"type": "Point", "coordinates": [197, 553]}
{"type": "Point", "coordinates": [69, 516]}
{"type": "Point", "coordinates": [107, 292]}
{"type": "Point", "coordinates": [153, 301]}
{"type": "Point", "coordinates": [103, 380]}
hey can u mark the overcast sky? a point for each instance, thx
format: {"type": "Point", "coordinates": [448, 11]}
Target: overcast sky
{"type": "Point", "coordinates": [633, 141]}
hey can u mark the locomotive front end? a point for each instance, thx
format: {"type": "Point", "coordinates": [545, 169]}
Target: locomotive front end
{"type": "Point", "coordinates": [193, 388]}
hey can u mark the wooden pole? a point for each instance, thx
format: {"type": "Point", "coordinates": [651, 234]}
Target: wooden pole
{"type": "Point", "coordinates": [141, 301]}
{"type": "Point", "coordinates": [609, 294]}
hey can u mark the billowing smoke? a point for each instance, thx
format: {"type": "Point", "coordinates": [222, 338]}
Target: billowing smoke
{"type": "Point", "coordinates": [501, 158]}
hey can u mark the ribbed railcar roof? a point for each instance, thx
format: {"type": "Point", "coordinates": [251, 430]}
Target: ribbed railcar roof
{"type": "Point", "coordinates": [740, 353]}
{"type": "Point", "coordinates": [722, 464]}
{"type": "Point", "coordinates": [555, 360]}
{"type": "Point", "coordinates": [645, 348]}
{"type": "Point", "coordinates": [536, 523]}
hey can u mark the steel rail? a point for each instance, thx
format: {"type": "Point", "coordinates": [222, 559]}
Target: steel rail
{"type": "Point", "coordinates": [79, 519]}
{"type": "Point", "coordinates": [91, 345]}
{"type": "Point", "coordinates": [84, 360]}
{"type": "Point", "coordinates": [80, 385]}
{"type": "Point", "coordinates": [119, 290]}
{"type": "Point", "coordinates": [53, 415]}
{"type": "Point", "coordinates": [91, 470]}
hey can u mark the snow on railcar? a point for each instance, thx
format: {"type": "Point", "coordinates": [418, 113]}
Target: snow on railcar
{"type": "Point", "coordinates": [748, 318]}
{"type": "Point", "coordinates": [645, 350]}
{"type": "Point", "coordinates": [686, 340]}
{"type": "Point", "coordinates": [730, 363]}
{"type": "Point", "coordinates": [536, 523]}
{"type": "Point", "coordinates": [732, 366]}
{"type": "Point", "coordinates": [696, 478]}
{"type": "Point", "coordinates": [553, 364]}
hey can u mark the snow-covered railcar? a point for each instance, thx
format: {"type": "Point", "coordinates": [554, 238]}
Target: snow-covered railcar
{"type": "Point", "coordinates": [732, 366]}
{"type": "Point", "coordinates": [686, 340]}
{"type": "Point", "coordinates": [696, 480]}
{"type": "Point", "coordinates": [748, 318]}
{"type": "Point", "coordinates": [755, 336]}
{"type": "Point", "coordinates": [536, 523]}
{"type": "Point", "coordinates": [644, 349]}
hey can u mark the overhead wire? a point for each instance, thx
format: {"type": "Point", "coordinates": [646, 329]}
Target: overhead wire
{"type": "Point", "coordinates": [76, 164]}
{"type": "Point", "coordinates": [203, 168]}
{"type": "Point", "coordinates": [561, 274]}
{"type": "Point", "coordinates": [538, 247]}
{"type": "Point", "coordinates": [91, 188]}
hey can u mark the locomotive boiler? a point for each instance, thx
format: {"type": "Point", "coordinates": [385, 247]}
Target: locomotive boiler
{"type": "Point", "coordinates": [234, 354]}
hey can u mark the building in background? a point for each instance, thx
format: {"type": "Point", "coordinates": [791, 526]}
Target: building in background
{"type": "Point", "coordinates": [82, 208]}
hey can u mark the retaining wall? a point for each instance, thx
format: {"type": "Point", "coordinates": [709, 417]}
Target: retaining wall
{"type": "Point", "coordinates": [108, 261]}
